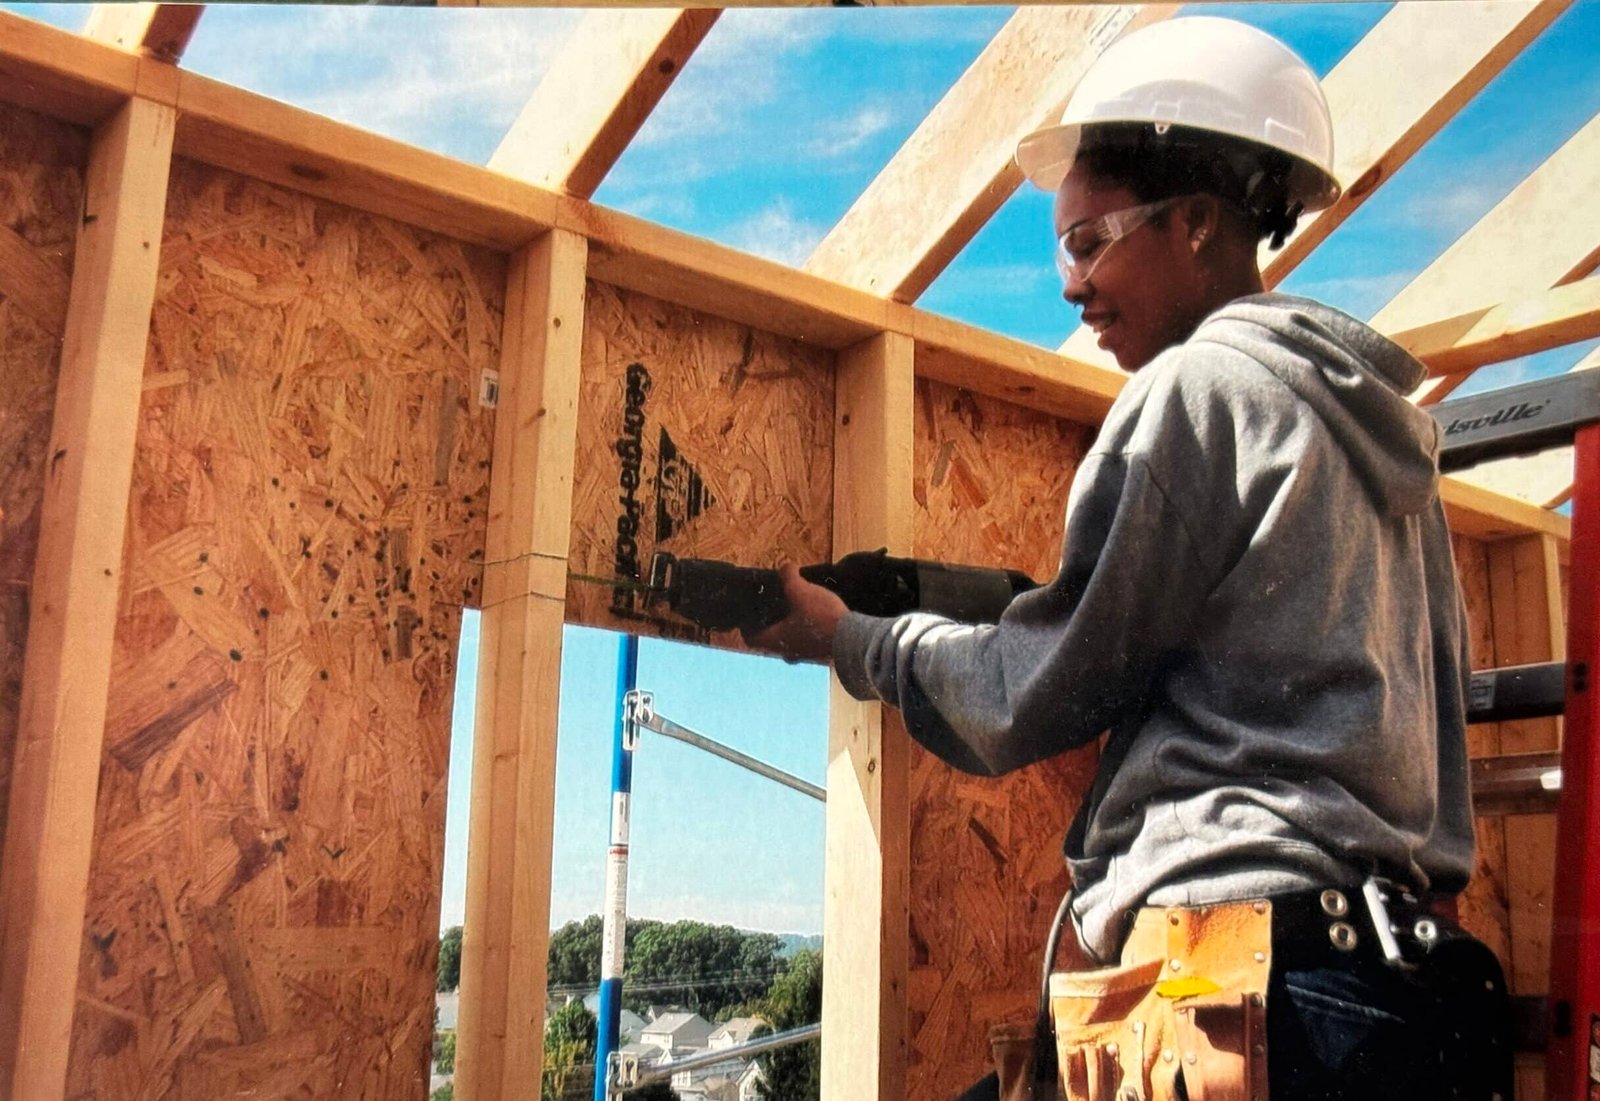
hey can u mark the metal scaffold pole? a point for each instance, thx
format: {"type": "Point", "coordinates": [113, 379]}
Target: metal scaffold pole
{"type": "Point", "coordinates": [615, 920]}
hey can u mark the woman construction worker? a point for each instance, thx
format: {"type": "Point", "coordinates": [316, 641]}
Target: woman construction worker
{"type": "Point", "coordinates": [1256, 599]}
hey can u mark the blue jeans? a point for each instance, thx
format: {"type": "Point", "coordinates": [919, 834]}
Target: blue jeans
{"type": "Point", "coordinates": [1356, 1028]}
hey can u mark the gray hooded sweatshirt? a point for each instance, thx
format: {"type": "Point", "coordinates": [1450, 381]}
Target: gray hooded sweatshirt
{"type": "Point", "coordinates": [1257, 597]}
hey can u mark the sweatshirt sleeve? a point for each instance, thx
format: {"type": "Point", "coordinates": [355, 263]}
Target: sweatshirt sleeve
{"type": "Point", "coordinates": [1067, 660]}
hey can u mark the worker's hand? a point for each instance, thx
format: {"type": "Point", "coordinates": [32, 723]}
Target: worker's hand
{"type": "Point", "coordinates": [806, 633]}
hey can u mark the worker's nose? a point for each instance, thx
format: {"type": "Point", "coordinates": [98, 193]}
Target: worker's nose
{"type": "Point", "coordinates": [1077, 291]}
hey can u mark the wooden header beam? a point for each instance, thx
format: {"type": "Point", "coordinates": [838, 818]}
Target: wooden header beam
{"type": "Point", "coordinates": [957, 168]}
{"type": "Point", "coordinates": [597, 94]}
{"type": "Point", "coordinates": [161, 31]}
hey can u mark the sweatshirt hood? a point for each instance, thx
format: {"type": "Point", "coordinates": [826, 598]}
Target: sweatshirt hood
{"type": "Point", "coordinates": [1354, 379]}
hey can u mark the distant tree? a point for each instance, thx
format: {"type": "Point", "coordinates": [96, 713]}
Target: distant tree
{"type": "Point", "coordinates": [449, 960]}
{"type": "Point", "coordinates": [704, 967]}
{"type": "Point", "coordinates": [444, 1059]}
{"type": "Point", "coordinates": [794, 1073]}
{"type": "Point", "coordinates": [575, 951]}
{"type": "Point", "coordinates": [659, 1090]}
{"type": "Point", "coordinates": [446, 1092]}
{"type": "Point", "coordinates": [570, 1036]}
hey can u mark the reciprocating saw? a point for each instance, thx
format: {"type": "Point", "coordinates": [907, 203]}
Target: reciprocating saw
{"type": "Point", "coordinates": [720, 596]}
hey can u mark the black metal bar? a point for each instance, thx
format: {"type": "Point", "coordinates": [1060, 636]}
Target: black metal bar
{"type": "Point", "coordinates": [1519, 420]}
{"type": "Point", "coordinates": [1517, 692]}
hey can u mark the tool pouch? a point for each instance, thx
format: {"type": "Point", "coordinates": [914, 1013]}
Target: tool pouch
{"type": "Point", "coordinates": [1188, 997]}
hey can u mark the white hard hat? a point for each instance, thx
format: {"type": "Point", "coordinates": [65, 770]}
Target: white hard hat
{"type": "Point", "coordinates": [1204, 73]}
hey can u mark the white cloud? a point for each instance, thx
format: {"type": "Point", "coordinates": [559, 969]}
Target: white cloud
{"type": "Point", "coordinates": [1357, 295]}
{"type": "Point", "coordinates": [776, 233]}
{"type": "Point", "coordinates": [842, 136]}
{"type": "Point", "coordinates": [423, 76]}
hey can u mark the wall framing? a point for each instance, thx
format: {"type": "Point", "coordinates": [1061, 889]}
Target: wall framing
{"type": "Point", "coordinates": [145, 112]}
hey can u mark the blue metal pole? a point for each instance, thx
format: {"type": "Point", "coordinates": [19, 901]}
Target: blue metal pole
{"type": "Point", "coordinates": [615, 920]}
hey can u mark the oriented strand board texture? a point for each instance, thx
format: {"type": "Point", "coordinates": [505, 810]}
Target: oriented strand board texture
{"type": "Point", "coordinates": [41, 197]}
{"type": "Point", "coordinates": [696, 436]}
{"type": "Point", "coordinates": [307, 518]}
{"type": "Point", "coordinates": [987, 872]}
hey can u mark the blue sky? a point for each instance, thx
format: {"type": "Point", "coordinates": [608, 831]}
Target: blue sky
{"type": "Point", "coordinates": [775, 126]}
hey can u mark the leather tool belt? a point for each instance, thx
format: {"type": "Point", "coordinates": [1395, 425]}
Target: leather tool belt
{"type": "Point", "coordinates": [1189, 997]}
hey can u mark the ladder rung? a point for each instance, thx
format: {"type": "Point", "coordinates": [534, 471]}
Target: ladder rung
{"type": "Point", "coordinates": [1517, 692]}
{"type": "Point", "coordinates": [1518, 783]}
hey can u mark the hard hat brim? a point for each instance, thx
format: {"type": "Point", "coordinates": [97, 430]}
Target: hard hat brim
{"type": "Point", "coordinates": [1046, 155]}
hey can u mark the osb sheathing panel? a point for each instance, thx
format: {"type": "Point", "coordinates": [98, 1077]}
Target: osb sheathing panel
{"type": "Point", "coordinates": [696, 436]}
{"type": "Point", "coordinates": [987, 873]}
{"type": "Point", "coordinates": [307, 518]}
{"type": "Point", "coordinates": [41, 197]}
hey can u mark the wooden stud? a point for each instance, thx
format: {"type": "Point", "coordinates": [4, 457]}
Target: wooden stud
{"type": "Point", "coordinates": [598, 92]}
{"type": "Point", "coordinates": [75, 597]}
{"type": "Point", "coordinates": [1529, 626]}
{"type": "Point", "coordinates": [958, 167]}
{"type": "Point", "coordinates": [506, 933]}
{"type": "Point", "coordinates": [867, 879]}
{"type": "Point", "coordinates": [161, 31]}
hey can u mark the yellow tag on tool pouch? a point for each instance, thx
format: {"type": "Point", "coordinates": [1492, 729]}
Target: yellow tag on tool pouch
{"type": "Point", "coordinates": [1190, 987]}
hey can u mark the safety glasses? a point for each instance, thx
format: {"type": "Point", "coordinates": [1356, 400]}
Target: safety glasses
{"type": "Point", "coordinates": [1081, 248]}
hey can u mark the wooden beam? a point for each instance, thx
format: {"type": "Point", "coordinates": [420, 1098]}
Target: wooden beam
{"type": "Point", "coordinates": [1394, 90]}
{"type": "Point", "coordinates": [1483, 514]}
{"type": "Point", "coordinates": [867, 873]}
{"type": "Point", "coordinates": [1461, 344]}
{"type": "Point", "coordinates": [957, 168]}
{"type": "Point", "coordinates": [73, 609]}
{"type": "Point", "coordinates": [642, 256]}
{"type": "Point", "coordinates": [1557, 241]}
{"type": "Point", "coordinates": [987, 363]}
{"type": "Point", "coordinates": [60, 74]}
{"type": "Point", "coordinates": [506, 932]}
{"type": "Point", "coordinates": [238, 130]}
{"type": "Point", "coordinates": [1397, 87]}
{"type": "Point", "coordinates": [597, 94]}
{"type": "Point", "coordinates": [161, 31]}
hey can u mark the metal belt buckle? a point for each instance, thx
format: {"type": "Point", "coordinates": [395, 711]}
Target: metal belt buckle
{"type": "Point", "coordinates": [1377, 892]}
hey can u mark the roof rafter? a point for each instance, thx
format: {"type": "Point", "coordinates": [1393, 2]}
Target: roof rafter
{"type": "Point", "coordinates": [1398, 87]}
{"type": "Point", "coordinates": [158, 30]}
{"type": "Point", "coordinates": [1394, 90]}
{"type": "Point", "coordinates": [956, 169]}
{"type": "Point", "coordinates": [1558, 237]}
{"type": "Point", "coordinates": [1460, 345]}
{"type": "Point", "coordinates": [597, 94]}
